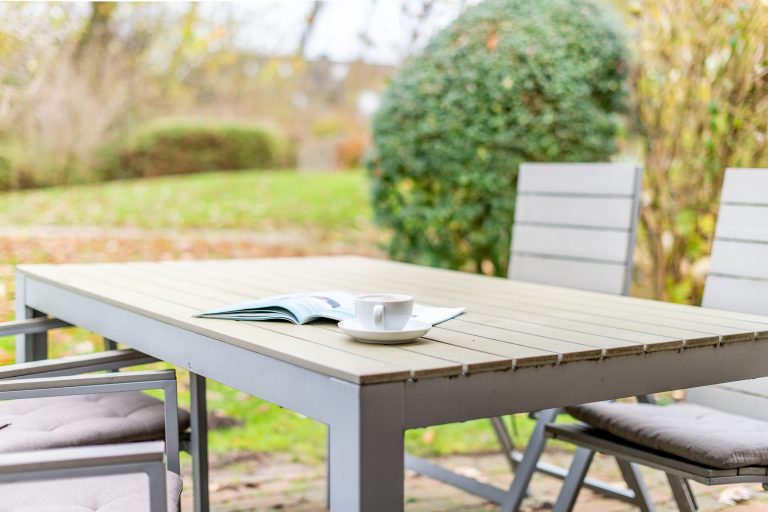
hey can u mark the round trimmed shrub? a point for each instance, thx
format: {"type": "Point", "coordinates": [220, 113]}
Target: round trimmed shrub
{"type": "Point", "coordinates": [509, 81]}
{"type": "Point", "coordinates": [181, 146]}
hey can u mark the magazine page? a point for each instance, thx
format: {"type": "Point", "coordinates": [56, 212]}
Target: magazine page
{"type": "Point", "coordinates": [433, 315]}
{"type": "Point", "coordinates": [298, 308]}
{"type": "Point", "coordinates": [301, 308]}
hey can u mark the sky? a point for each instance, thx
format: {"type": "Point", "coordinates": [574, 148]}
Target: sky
{"type": "Point", "coordinates": [342, 27]}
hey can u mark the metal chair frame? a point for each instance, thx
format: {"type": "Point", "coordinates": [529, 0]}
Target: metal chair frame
{"type": "Point", "coordinates": [32, 350]}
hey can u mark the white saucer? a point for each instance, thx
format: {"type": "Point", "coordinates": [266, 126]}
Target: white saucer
{"type": "Point", "coordinates": [413, 329]}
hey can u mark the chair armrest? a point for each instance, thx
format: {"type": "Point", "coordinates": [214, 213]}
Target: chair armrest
{"type": "Point", "coordinates": [84, 384]}
{"type": "Point", "coordinates": [81, 457]}
{"type": "Point", "coordinates": [31, 326]}
{"type": "Point", "coordinates": [72, 365]}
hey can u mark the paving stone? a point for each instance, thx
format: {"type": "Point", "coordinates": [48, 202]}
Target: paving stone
{"type": "Point", "coordinates": [251, 482]}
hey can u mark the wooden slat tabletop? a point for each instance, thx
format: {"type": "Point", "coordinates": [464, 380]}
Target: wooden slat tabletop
{"type": "Point", "coordinates": [508, 324]}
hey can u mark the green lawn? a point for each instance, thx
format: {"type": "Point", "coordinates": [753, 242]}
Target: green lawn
{"type": "Point", "coordinates": [330, 204]}
{"type": "Point", "coordinates": [243, 199]}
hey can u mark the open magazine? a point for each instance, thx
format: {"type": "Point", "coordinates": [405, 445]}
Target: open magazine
{"type": "Point", "coordinates": [301, 308]}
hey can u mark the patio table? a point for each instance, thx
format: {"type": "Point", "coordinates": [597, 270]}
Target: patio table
{"type": "Point", "coordinates": [519, 347]}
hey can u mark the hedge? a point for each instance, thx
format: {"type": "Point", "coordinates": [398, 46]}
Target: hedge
{"type": "Point", "coordinates": [176, 147]}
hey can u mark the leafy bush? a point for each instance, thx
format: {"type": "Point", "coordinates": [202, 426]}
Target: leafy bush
{"type": "Point", "coordinates": [701, 106]}
{"type": "Point", "coordinates": [14, 172]}
{"type": "Point", "coordinates": [6, 170]}
{"type": "Point", "coordinates": [508, 81]}
{"type": "Point", "coordinates": [176, 147]}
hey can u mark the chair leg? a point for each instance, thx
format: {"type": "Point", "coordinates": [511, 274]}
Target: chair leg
{"type": "Point", "coordinates": [527, 466]}
{"type": "Point", "coordinates": [158, 493]}
{"type": "Point", "coordinates": [110, 344]}
{"type": "Point", "coordinates": [634, 479]}
{"type": "Point", "coordinates": [572, 483]}
{"type": "Point", "coordinates": [507, 446]}
{"type": "Point", "coordinates": [683, 494]}
{"type": "Point", "coordinates": [199, 441]}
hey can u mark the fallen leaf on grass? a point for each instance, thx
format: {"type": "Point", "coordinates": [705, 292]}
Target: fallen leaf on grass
{"type": "Point", "coordinates": [734, 495]}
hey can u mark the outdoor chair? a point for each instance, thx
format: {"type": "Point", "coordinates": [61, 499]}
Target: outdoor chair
{"type": "Point", "coordinates": [81, 420]}
{"type": "Point", "coordinates": [575, 226]}
{"type": "Point", "coordinates": [718, 436]}
{"type": "Point", "coordinates": [103, 478]}
{"type": "Point", "coordinates": [100, 478]}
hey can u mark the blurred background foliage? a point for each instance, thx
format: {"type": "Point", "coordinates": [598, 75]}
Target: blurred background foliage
{"type": "Point", "coordinates": [509, 81]}
{"type": "Point", "coordinates": [93, 91]}
{"type": "Point", "coordinates": [700, 84]}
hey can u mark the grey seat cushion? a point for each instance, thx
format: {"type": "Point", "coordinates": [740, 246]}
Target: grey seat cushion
{"type": "Point", "coordinates": [60, 422]}
{"type": "Point", "coordinates": [116, 493]}
{"type": "Point", "coordinates": [693, 432]}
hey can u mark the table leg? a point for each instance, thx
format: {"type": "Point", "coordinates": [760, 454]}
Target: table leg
{"type": "Point", "coordinates": [328, 467]}
{"type": "Point", "coordinates": [366, 448]}
{"type": "Point", "coordinates": [199, 441]}
{"type": "Point", "coordinates": [29, 347]}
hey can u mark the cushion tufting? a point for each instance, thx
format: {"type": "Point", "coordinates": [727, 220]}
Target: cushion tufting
{"type": "Point", "coordinates": [60, 422]}
{"type": "Point", "coordinates": [693, 432]}
{"type": "Point", "coordinates": [117, 493]}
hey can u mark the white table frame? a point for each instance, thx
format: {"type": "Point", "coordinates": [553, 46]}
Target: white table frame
{"type": "Point", "coordinates": [367, 422]}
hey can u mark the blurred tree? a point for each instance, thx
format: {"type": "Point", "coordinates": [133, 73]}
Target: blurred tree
{"type": "Point", "coordinates": [310, 22]}
{"type": "Point", "coordinates": [701, 102]}
{"type": "Point", "coordinates": [97, 32]}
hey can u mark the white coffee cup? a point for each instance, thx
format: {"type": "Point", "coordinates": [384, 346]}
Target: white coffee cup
{"type": "Point", "coordinates": [383, 311]}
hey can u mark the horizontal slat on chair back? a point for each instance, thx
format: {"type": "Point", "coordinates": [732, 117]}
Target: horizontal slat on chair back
{"type": "Point", "coordinates": [584, 275]}
{"type": "Point", "coordinates": [590, 212]}
{"type": "Point", "coordinates": [739, 259]}
{"type": "Point", "coordinates": [745, 186]}
{"type": "Point", "coordinates": [742, 222]}
{"type": "Point", "coordinates": [731, 400]}
{"type": "Point", "coordinates": [738, 279]}
{"type": "Point", "coordinates": [575, 225]}
{"type": "Point", "coordinates": [586, 179]}
{"type": "Point", "coordinates": [602, 245]}
{"type": "Point", "coordinates": [747, 296]}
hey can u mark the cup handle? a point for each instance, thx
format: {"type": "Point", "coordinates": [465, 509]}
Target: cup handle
{"type": "Point", "coordinates": [378, 316]}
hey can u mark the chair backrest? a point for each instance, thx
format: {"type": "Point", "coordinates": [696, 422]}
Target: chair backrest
{"type": "Point", "coordinates": [738, 279]}
{"type": "Point", "coordinates": [575, 225]}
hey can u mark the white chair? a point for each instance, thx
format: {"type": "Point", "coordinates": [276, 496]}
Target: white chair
{"type": "Point", "coordinates": [718, 435]}
{"type": "Point", "coordinates": [110, 477]}
{"type": "Point", "coordinates": [55, 479]}
{"type": "Point", "coordinates": [575, 226]}
{"type": "Point", "coordinates": [92, 419]}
